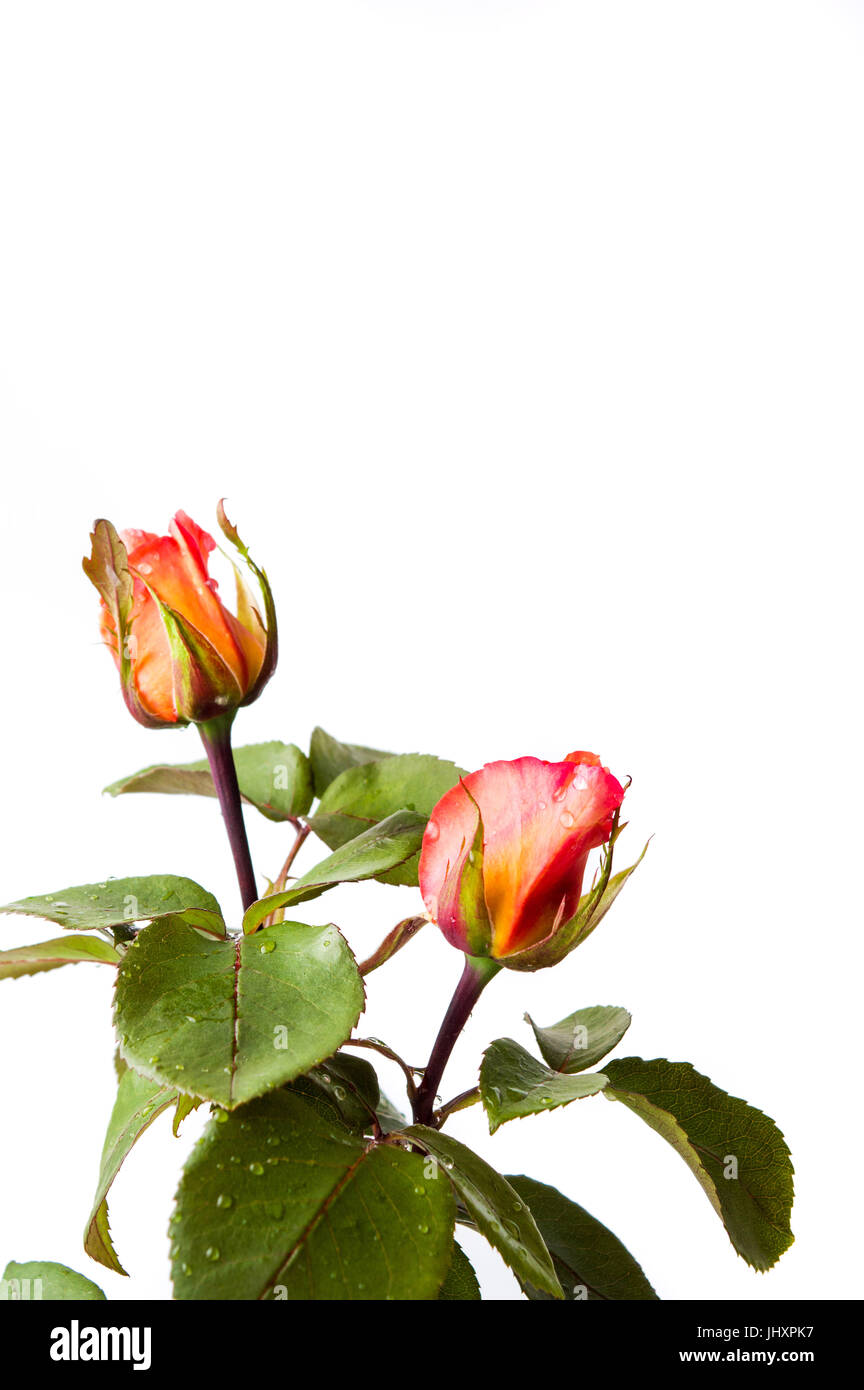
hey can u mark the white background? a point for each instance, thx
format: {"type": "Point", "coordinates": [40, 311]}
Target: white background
{"type": "Point", "coordinates": [525, 340]}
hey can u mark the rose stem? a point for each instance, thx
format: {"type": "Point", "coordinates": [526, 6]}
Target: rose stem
{"type": "Point", "coordinates": [475, 977]}
{"type": "Point", "coordinates": [216, 737]}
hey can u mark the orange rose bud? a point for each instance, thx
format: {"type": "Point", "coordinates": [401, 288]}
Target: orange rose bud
{"type": "Point", "coordinates": [183, 657]}
{"type": "Point", "coordinates": [504, 856]}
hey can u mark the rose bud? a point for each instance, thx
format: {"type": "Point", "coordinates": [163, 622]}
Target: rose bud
{"type": "Point", "coordinates": [504, 855]}
{"type": "Point", "coordinates": [183, 657]}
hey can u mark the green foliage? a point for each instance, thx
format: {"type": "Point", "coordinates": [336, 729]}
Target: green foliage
{"type": "Point", "coordinates": [49, 955]}
{"type": "Point", "coordinates": [582, 1039]}
{"type": "Point", "coordinates": [229, 1020]}
{"type": "Point", "coordinates": [44, 1280]}
{"type": "Point", "coordinates": [371, 854]}
{"type": "Point", "coordinates": [362, 795]}
{"type": "Point", "coordinates": [461, 1284]}
{"type": "Point", "coordinates": [736, 1153]}
{"type": "Point", "coordinates": [280, 1202]}
{"type": "Point", "coordinates": [117, 902]}
{"type": "Point", "coordinates": [514, 1084]}
{"type": "Point", "coordinates": [137, 1105]}
{"type": "Point", "coordinates": [275, 778]}
{"type": "Point", "coordinates": [329, 757]}
{"type": "Point", "coordinates": [493, 1206]}
{"type": "Point", "coordinates": [590, 1261]}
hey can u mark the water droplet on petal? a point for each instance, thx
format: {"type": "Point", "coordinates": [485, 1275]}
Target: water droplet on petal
{"type": "Point", "coordinates": [432, 832]}
{"type": "Point", "coordinates": [567, 820]}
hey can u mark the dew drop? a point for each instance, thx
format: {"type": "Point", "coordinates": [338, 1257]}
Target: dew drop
{"type": "Point", "coordinates": [212, 1253]}
{"type": "Point", "coordinates": [559, 793]}
{"type": "Point", "coordinates": [221, 1117]}
{"type": "Point", "coordinates": [266, 947]}
{"type": "Point", "coordinates": [224, 1200]}
{"type": "Point", "coordinates": [432, 832]}
{"type": "Point", "coordinates": [567, 820]}
{"type": "Point", "coordinates": [256, 1169]}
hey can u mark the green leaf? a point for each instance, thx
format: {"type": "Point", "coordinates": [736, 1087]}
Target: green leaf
{"type": "Point", "coordinates": [119, 901]}
{"type": "Point", "coordinates": [48, 955]}
{"type": "Point", "coordinates": [343, 1088]}
{"type": "Point", "coordinates": [276, 778]}
{"type": "Point", "coordinates": [329, 757]}
{"type": "Point", "coordinates": [514, 1084]}
{"type": "Point", "coordinates": [46, 1281]}
{"type": "Point", "coordinates": [280, 1203]}
{"type": "Point", "coordinates": [229, 1020]}
{"type": "Point", "coordinates": [461, 1284]}
{"type": "Point", "coordinates": [582, 1039]}
{"type": "Point", "coordinates": [589, 1260]}
{"type": "Point", "coordinates": [137, 1105]}
{"type": "Point", "coordinates": [383, 847]}
{"type": "Point", "coordinates": [736, 1153]}
{"type": "Point", "coordinates": [464, 894]}
{"type": "Point", "coordinates": [498, 1211]}
{"type": "Point", "coordinates": [362, 796]}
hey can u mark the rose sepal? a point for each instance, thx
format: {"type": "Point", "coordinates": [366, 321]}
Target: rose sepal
{"type": "Point", "coordinates": [592, 908]}
{"type": "Point", "coordinates": [108, 571]}
{"type": "Point", "coordinates": [247, 608]}
{"type": "Point", "coordinates": [463, 892]}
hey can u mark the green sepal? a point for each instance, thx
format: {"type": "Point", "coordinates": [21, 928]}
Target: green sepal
{"type": "Point", "coordinates": [463, 892]}
{"type": "Point", "coordinates": [592, 908]}
{"type": "Point", "coordinates": [108, 570]}
{"type": "Point", "coordinates": [271, 631]}
{"type": "Point", "coordinates": [205, 687]}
